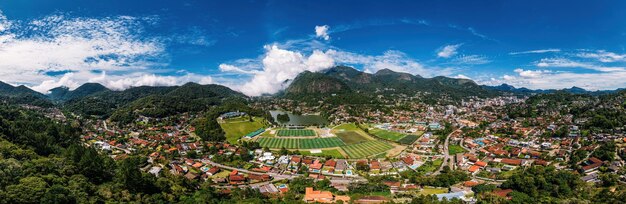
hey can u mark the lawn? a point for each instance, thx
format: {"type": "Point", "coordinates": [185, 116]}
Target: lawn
{"type": "Point", "coordinates": [365, 149]}
{"type": "Point", "coordinates": [295, 133]}
{"type": "Point", "coordinates": [346, 127]}
{"type": "Point", "coordinates": [293, 143]}
{"type": "Point", "coordinates": [409, 139]}
{"type": "Point", "coordinates": [351, 137]}
{"type": "Point", "coordinates": [388, 135]}
{"type": "Point", "coordinates": [332, 152]}
{"type": "Point", "coordinates": [221, 174]}
{"type": "Point", "coordinates": [455, 149]}
{"type": "Point", "coordinates": [430, 166]}
{"type": "Point", "coordinates": [431, 191]}
{"type": "Point", "coordinates": [235, 128]}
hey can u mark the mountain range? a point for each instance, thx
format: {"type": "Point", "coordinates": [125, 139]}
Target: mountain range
{"type": "Point", "coordinates": [96, 99]}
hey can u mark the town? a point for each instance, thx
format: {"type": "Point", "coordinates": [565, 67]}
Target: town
{"type": "Point", "coordinates": [459, 147]}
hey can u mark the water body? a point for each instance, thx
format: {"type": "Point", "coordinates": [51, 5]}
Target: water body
{"type": "Point", "coordinates": [300, 120]}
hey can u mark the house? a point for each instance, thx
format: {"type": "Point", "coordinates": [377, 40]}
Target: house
{"type": "Point", "coordinates": [481, 163]}
{"type": "Point", "coordinates": [408, 160]}
{"type": "Point", "coordinates": [316, 165]}
{"type": "Point", "coordinates": [515, 162]}
{"type": "Point", "coordinates": [191, 176]}
{"type": "Point", "coordinates": [371, 199]}
{"type": "Point", "coordinates": [341, 165]}
{"type": "Point", "coordinates": [591, 178]}
{"type": "Point", "coordinates": [473, 169]}
{"type": "Point", "coordinates": [259, 177]}
{"type": "Point", "coordinates": [374, 165]}
{"type": "Point", "coordinates": [212, 171]}
{"type": "Point", "coordinates": [503, 193]}
{"type": "Point", "coordinates": [592, 164]}
{"type": "Point", "coordinates": [330, 163]}
{"type": "Point", "coordinates": [312, 196]}
{"type": "Point", "coordinates": [235, 178]}
{"type": "Point", "coordinates": [268, 189]}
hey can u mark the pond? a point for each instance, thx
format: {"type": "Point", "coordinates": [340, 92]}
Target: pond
{"type": "Point", "coordinates": [300, 120]}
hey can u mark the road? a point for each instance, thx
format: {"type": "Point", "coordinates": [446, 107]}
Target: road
{"type": "Point", "coordinates": [446, 154]}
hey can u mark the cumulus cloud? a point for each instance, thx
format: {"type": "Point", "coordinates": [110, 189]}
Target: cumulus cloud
{"type": "Point", "coordinates": [531, 73]}
{"type": "Point", "coordinates": [73, 80]}
{"type": "Point", "coordinates": [279, 66]}
{"type": "Point", "coordinates": [322, 32]}
{"type": "Point", "coordinates": [273, 71]}
{"type": "Point", "coordinates": [448, 51]}
{"type": "Point", "coordinates": [84, 49]}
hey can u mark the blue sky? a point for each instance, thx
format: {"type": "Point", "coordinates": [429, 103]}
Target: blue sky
{"type": "Point", "coordinates": [254, 46]}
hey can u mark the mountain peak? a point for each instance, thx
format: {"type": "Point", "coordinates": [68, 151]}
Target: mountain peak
{"type": "Point", "coordinates": [385, 71]}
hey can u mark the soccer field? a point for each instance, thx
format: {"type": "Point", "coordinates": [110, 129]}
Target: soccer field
{"type": "Point", "coordinates": [295, 133]}
{"type": "Point", "coordinates": [235, 128]}
{"type": "Point", "coordinates": [409, 139]}
{"type": "Point", "coordinates": [351, 137]}
{"type": "Point", "coordinates": [365, 149]}
{"type": "Point", "coordinates": [388, 135]}
{"type": "Point", "coordinates": [293, 143]}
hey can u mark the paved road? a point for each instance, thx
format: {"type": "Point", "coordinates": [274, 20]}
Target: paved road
{"type": "Point", "coordinates": [446, 154]}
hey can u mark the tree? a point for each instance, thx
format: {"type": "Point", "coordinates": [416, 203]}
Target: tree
{"type": "Point", "coordinates": [282, 118]}
{"type": "Point", "coordinates": [362, 167]}
{"type": "Point", "coordinates": [283, 151]}
{"type": "Point", "coordinates": [28, 190]}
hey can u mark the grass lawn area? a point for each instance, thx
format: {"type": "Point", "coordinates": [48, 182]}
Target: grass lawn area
{"type": "Point", "coordinates": [454, 149]}
{"type": "Point", "coordinates": [333, 153]}
{"type": "Point", "coordinates": [388, 135]}
{"type": "Point", "coordinates": [235, 128]}
{"type": "Point", "coordinates": [430, 167]}
{"type": "Point", "coordinates": [346, 127]}
{"type": "Point", "coordinates": [369, 148]}
{"type": "Point", "coordinates": [351, 137]}
{"type": "Point", "coordinates": [221, 174]}
{"type": "Point", "coordinates": [409, 139]}
{"type": "Point", "coordinates": [507, 174]}
{"type": "Point", "coordinates": [430, 191]}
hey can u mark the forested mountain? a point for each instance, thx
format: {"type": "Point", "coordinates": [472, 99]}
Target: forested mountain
{"type": "Point", "coordinates": [525, 91]}
{"type": "Point", "coordinates": [171, 100]}
{"type": "Point", "coordinates": [385, 81]}
{"type": "Point", "coordinates": [313, 83]}
{"type": "Point", "coordinates": [8, 90]}
{"type": "Point", "coordinates": [65, 94]}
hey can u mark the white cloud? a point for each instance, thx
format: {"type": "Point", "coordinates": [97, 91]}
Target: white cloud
{"type": "Point", "coordinates": [531, 73]}
{"type": "Point", "coordinates": [235, 69]}
{"type": "Point", "coordinates": [280, 66]}
{"type": "Point", "coordinates": [322, 32]}
{"type": "Point", "coordinates": [448, 51]}
{"type": "Point", "coordinates": [603, 56]}
{"type": "Point", "coordinates": [73, 80]}
{"type": "Point", "coordinates": [471, 60]}
{"type": "Point", "coordinates": [84, 49]}
{"type": "Point", "coordinates": [536, 51]}
{"type": "Point", "coordinates": [460, 76]}
{"type": "Point", "coordinates": [567, 63]}
{"type": "Point", "coordinates": [392, 59]}
{"type": "Point", "coordinates": [57, 43]}
{"type": "Point", "coordinates": [545, 79]}
{"type": "Point", "coordinates": [5, 24]}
